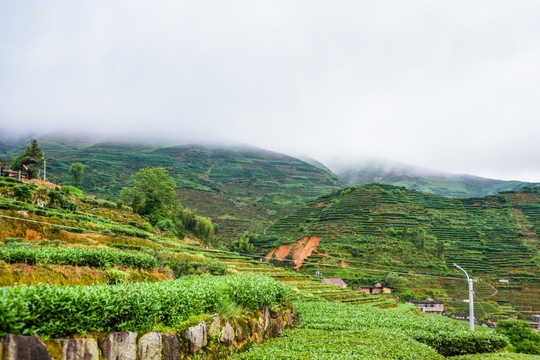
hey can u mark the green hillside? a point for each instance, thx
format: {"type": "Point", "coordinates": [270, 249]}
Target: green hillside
{"type": "Point", "coordinates": [239, 188]}
{"type": "Point", "coordinates": [395, 229]}
{"type": "Point", "coordinates": [439, 183]}
{"type": "Point", "coordinates": [123, 277]}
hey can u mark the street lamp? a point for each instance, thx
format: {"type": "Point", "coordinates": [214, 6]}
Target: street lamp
{"type": "Point", "coordinates": [471, 298]}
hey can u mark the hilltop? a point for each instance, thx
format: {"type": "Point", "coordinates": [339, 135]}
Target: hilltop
{"type": "Point", "coordinates": [240, 188]}
{"type": "Point", "coordinates": [425, 180]}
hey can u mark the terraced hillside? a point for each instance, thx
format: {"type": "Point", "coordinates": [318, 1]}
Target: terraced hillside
{"type": "Point", "coordinates": [394, 229]}
{"type": "Point", "coordinates": [239, 188]}
{"type": "Point", "coordinates": [92, 267]}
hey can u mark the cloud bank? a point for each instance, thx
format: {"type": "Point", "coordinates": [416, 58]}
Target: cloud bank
{"type": "Point", "coordinates": [452, 86]}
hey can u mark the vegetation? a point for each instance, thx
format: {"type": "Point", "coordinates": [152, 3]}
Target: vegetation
{"type": "Point", "coordinates": [77, 171]}
{"type": "Point", "coordinates": [383, 227]}
{"type": "Point", "coordinates": [30, 160]}
{"type": "Point", "coordinates": [62, 311]}
{"type": "Point", "coordinates": [241, 189]}
{"type": "Point", "coordinates": [462, 186]}
{"type": "Point", "coordinates": [336, 331]}
{"type": "Point", "coordinates": [244, 245]}
{"type": "Point", "coordinates": [99, 258]}
{"type": "Point", "coordinates": [523, 338]}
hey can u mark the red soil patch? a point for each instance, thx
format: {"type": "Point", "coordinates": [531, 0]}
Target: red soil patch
{"type": "Point", "coordinates": [301, 249]}
{"type": "Point", "coordinates": [42, 183]}
{"type": "Point", "coordinates": [320, 204]}
{"type": "Point", "coordinates": [344, 264]}
{"type": "Point", "coordinates": [195, 241]}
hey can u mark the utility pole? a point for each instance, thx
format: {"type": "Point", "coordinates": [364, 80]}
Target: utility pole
{"type": "Point", "coordinates": [44, 169]}
{"type": "Point", "coordinates": [471, 298]}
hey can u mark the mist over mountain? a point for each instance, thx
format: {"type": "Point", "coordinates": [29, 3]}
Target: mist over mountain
{"type": "Point", "coordinates": [425, 180]}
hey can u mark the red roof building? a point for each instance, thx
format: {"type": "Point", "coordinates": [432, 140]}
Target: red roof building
{"type": "Point", "coordinates": [338, 282]}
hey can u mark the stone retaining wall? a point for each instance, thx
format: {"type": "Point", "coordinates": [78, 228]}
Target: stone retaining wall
{"type": "Point", "coordinates": [214, 338]}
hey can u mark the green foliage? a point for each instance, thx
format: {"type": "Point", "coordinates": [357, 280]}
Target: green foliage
{"type": "Point", "coordinates": [62, 311]}
{"type": "Point", "coordinates": [72, 191]}
{"type": "Point", "coordinates": [76, 170]}
{"type": "Point", "coordinates": [32, 158]}
{"type": "Point", "coordinates": [243, 183]}
{"type": "Point", "coordinates": [522, 337]}
{"type": "Point", "coordinates": [244, 245]}
{"type": "Point", "coordinates": [24, 192]}
{"type": "Point", "coordinates": [190, 266]}
{"type": "Point", "coordinates": [117, 276]}
{"type": "Point", "coordinates": [146, 227]}
{"type": "Point", "coordinates": [99, 258]}
{"type": "Point", "coordinates": [335, 331]}
{"type": "Point", "coordinates": [152, 193]}
{"type": "Point", "coordinates": [394, 280]}
{"type": "Point", "coordinates": [311, 344]}
{"type": "Point", "coordinates": [167, 225]}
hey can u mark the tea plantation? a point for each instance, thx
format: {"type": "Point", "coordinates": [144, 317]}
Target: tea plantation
{"type": "Point", "coordinates": [395, 229]}
{"type": "Point", "coordinates": [72, 265]}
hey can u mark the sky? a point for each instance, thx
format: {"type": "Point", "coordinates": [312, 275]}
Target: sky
{"type": "Point", "coordinates": [447, 85]}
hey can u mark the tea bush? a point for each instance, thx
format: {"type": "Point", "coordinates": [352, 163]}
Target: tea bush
{"type": "Point", "coordinates": [98, 258]}
{"type": "Point", "coordinates": [63, 311]}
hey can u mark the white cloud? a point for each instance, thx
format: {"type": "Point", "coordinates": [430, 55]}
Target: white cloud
{"type": "Point", "coordinates": [446, 85]}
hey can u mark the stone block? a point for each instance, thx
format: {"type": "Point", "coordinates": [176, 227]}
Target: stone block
{"type": "Point", "coordinates": [215, 326]}
{"type": "Point", "coordinates": [266, 317]}
{"type": "Point", "coordinates": [150, 347]}
{"type": "Point", "coordinates": [196, 337]}
{"type": "Point", "coordinates": [119, 346]}
{"type": "Point", "coordinates": [227, 334]}
{"type": "Point", "coordinates": [79, 349]}
{"type": "Point", "coordinates": [19, 347]}
{"type": "Point", "coordinates": [171, 347]}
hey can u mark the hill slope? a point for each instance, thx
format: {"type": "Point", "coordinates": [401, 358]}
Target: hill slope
{"type": "Point", "coordinates": [489, 234]}
{"type": "Point", "coordinates": [439, 183]}
{"type": "Point", "coordinates": [239, 188]}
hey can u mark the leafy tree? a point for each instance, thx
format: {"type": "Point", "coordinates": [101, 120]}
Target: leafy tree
{"type": "Point", "coordinates": [77, 171]}
{"type": "Point", "coordinates": [152, 193]}
{"type": "Point", "coordinates": [244, 244]}
{"type": "Point", "coordinates": [522, 337]}
{"type": "Point", "coordinates": [32, 158]}
{"type": "Point", "coordinates": [394, 280]}
{"type": "Point", "coordinates": [153, 196]}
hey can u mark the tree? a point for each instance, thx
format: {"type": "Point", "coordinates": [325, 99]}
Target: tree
{"type": "Point", "coordinates": [152, 194]}
{"type": "Point", "coordinates": [77, 171]}
{"type": "Point", "coordinates": [244, 244]}
{"type": "Point", "coordinates": [522, 337]}
{"type": "Point", "coordinates": [394, 280]}
{"type": "Point", "coordinates": [29, 160]}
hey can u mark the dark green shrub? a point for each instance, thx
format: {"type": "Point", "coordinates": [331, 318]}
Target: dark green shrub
{"type": "Point", "coordinates": [23, 192]}
{"type": "Point", "coordinates": [522, 337]}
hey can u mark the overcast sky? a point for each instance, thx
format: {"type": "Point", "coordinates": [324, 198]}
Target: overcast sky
{"type": "Point", "coordinates": [447, 85]}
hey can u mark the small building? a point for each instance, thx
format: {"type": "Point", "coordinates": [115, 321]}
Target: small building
{"type": "Point", "coordinates": [428, 305]}
{"type": "Point", "coordinates": [504, 281]}
{"type": "Point", "coordinates": [16, 174]}
{"type": "Point", "coordinates": [334, 281]}
{"type": "Point", "coordinates": [376, 289]}
{"type": "Point", "coordinates": [536, 322]}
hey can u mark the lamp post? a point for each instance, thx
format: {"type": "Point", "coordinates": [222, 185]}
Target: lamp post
{"type": "Point", "coordinates": [471, 298]}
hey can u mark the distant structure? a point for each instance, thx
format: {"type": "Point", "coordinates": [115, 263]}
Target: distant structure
{"type": "Point", "coordinates": [537, 323]}
{"type": "Point", "coordinates": [504, 280]}
{"type": "Point", "coordinates": [428, 305]}
{"type": "Point", "coordinates": [16, 174]}
{"type": "Point", "coordinates": [376, 289]}
{"type": "Point", "coordinates": [338, 282]}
